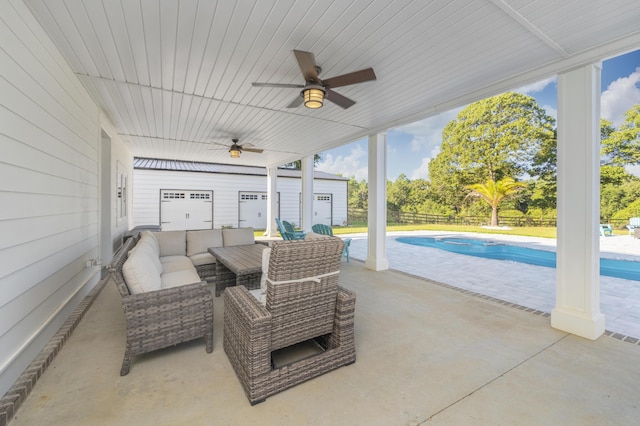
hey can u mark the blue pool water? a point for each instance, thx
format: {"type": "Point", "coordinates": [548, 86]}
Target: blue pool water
{"type": "Point", "coordinates": [492, 250]}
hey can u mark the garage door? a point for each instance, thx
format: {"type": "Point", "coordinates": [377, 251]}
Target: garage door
{"type": "Point", "coordinates": [322, 209]}
{"type": "Point", "coordinates": [185, 210]}
{"type": "Point", "coordinates": [252, 209]}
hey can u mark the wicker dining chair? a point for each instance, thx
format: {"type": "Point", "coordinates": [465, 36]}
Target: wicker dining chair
{"type": "Point", "coordinates": [303, 304]}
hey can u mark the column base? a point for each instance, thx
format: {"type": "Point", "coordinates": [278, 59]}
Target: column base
{"type": "Point", "coordinates": [578, 323]}
{"type": "Point", "coordinates": [377, 264]}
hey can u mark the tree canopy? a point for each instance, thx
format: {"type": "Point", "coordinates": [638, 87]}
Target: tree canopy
{"type": "Point", "coordinates": [494, 138]}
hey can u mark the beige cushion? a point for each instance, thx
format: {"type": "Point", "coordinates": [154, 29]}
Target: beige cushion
{"type": "Point", "coordinates": [314, 236]}
{"type": "Point", "coordinates": [172, 243]}
{"type": "Point", "coordinates": [200, 241]}
{"type": "Point", "coordinates": [202, 259]}
{"type": "Point", "coordinates": [237, 236]}
{"type": "Point", "coordinates": [266, 254]}
{"type": "Point", "coordinates": [148, 237]}
{"type": "Point", "coordinates": [140, 274]}
{"type": "Point", "coordinates": [178, 278]}
{"type": "Point", "coordinates": [175, 263]}
{"type": "Point", "coordinates": [146, 248]}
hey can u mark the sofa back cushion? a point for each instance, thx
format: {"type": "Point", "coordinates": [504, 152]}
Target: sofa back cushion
{"type": "Point", "coordinates": [237, 236]}
{"type": "Point", "coordinates": [149, 238]}
{"type": "Point", "coordinates": [140, 274]}
{"type": "Point", "coordinates": [199, 241]}
{"type": "Point", "coordinates": [172, 243]}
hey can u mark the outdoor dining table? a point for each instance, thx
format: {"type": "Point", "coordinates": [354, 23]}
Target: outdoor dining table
{"type": "Point", "coordinates": [238, 265]}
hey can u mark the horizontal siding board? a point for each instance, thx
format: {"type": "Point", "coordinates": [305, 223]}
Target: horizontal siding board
{"type": "Point", "coordinates": [50, 135]}
{"type": "Point", "coordinates": [64, 246]}
{"type": "Point", "coordinates": [41, 295]}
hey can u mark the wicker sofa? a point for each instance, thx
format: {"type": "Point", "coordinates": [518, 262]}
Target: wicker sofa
{"type": "Point", "coordinates": [165, 297]}
{"type": "Point", "coordinates": [301, 304]}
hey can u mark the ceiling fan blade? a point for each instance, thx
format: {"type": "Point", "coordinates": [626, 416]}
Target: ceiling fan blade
{"type": "Point", "coordinates": [307, 63]}
{"type": "Point", "coordinates": [351, 78]}
{"type": "Point", "coordinates": [293, 86]}
{"type": "Point", "coordinates": [296, 102]}
{"type": "Point", "coordinates": [338, 99]}
{"type": "Point", "coordinates": [256, 150]}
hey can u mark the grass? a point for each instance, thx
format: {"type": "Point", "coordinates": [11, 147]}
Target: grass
{"type": "Point", "coordinates": [527, 231]}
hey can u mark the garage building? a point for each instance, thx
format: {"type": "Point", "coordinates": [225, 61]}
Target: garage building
{"type": "Point", "coordinates": [192, 195]}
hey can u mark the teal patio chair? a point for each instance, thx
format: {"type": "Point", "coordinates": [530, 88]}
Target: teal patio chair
{"type": "Point", "coordinates": [320, 228]}
{"type": "Point", "coordinates": [606, 229]}
{"type": "Point", "coordinates": [288, 232]}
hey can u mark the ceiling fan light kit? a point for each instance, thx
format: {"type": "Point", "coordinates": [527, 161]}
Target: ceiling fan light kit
{"type": "Point", "coordinates": [234, 151]}
{"type": "Point", "coordinates": [313, 96]}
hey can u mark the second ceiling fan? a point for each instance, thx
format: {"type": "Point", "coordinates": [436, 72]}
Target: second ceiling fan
{"type": "Point", "coordinates": [315, 90]}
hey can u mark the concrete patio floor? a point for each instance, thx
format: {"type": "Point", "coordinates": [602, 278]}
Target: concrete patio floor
{"type": "Point", "coordinates": [426, 354]}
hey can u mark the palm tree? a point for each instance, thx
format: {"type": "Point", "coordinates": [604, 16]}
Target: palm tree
{"type": "Point", "coordinates": [495, 192]}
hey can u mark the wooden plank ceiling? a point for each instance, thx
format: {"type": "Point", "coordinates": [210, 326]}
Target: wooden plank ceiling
{"type": "Point", "coordinates": [174, 77]}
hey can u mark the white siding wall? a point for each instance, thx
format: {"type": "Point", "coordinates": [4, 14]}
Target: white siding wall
{"type": "Point", "coordinates": [49, 190]}
{"type": "Point", "coordinates": [148, 183]}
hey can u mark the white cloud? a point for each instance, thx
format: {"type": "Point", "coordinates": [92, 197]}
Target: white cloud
{"type": "Point", "coordinates": [348, 166]}
{"type": "Point", "coordinates": [427, 133]}
{"type": "Point", "coordinates": [619, 97]}
{"type": "Point", "coordinates": [536, 87]}
{"type": "Point", "coordinates": [421, 172]}
{"type": "Point", "coordinates": [551, 111]}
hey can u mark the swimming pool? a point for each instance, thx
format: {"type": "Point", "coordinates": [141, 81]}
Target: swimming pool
{"type": "Point", "coordinates": [494, 250]}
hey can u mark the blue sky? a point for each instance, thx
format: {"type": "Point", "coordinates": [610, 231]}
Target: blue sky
{"type": "Point", "coordinates": [620, 91]}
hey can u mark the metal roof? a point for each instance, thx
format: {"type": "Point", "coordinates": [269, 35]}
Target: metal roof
{"type": "Point", "coordinates": [193, 166]}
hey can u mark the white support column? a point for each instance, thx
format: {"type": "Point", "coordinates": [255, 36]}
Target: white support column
{"type": "Point", "coordinates": [307, 193]}
{"type": "Point", "coordinates": [577, 307]}
{"type": "Point", "coordinates": [377, 214]}
{"type": "Point", "coordinates": [272, 202]}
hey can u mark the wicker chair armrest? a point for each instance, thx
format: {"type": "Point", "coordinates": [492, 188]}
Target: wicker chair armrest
{"type": "Point", "coordinates": [247, 331]}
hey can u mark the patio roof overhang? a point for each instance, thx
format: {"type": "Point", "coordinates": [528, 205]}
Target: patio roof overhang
{"type": "Point", "coordinates": [175, 78]}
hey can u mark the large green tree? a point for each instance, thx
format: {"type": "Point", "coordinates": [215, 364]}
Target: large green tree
{"type": "Point", "coordinates": [490, 139]}
{"type": "Point", "coordinates": [622, 147]}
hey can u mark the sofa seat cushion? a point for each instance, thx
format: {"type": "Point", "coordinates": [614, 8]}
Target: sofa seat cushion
{"type": "Point", "coordinates": [175, 263]}
{"type": "Point", "coordinates": [199, 241]}
{"type": "Point", "coordinates": [202, 259]}
{"type": "Point", "coordinates": [140, 273]}
{"type": "Point", "coordinates": [178, 278]}
{"type": "Point", "coordinates": [172, 243]}
{"type": "Point", "coordinates": [237, 236]}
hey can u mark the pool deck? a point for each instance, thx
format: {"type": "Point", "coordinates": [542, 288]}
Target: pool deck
{"type": "Point", "coordinates": [526, 285]}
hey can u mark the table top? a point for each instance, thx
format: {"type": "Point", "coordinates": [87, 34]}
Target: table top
{"type": "Point", "coordinates": [244, 259]}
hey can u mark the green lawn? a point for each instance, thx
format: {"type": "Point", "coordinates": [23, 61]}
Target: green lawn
{"type": "Point", "coordinates": [528, 231]}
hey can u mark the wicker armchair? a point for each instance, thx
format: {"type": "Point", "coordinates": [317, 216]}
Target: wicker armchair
{"type": "Point", "coordinates": [303, 304]}
{"type": "Point", "coordinates": [162, 318]}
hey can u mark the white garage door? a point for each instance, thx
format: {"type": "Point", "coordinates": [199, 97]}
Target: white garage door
{"type": "Point", "coordinates": [252, 209]}
{"type": "Point", "coordinates": [322, 209]}
{"type": "Point", "coordinates": [185, 210]}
